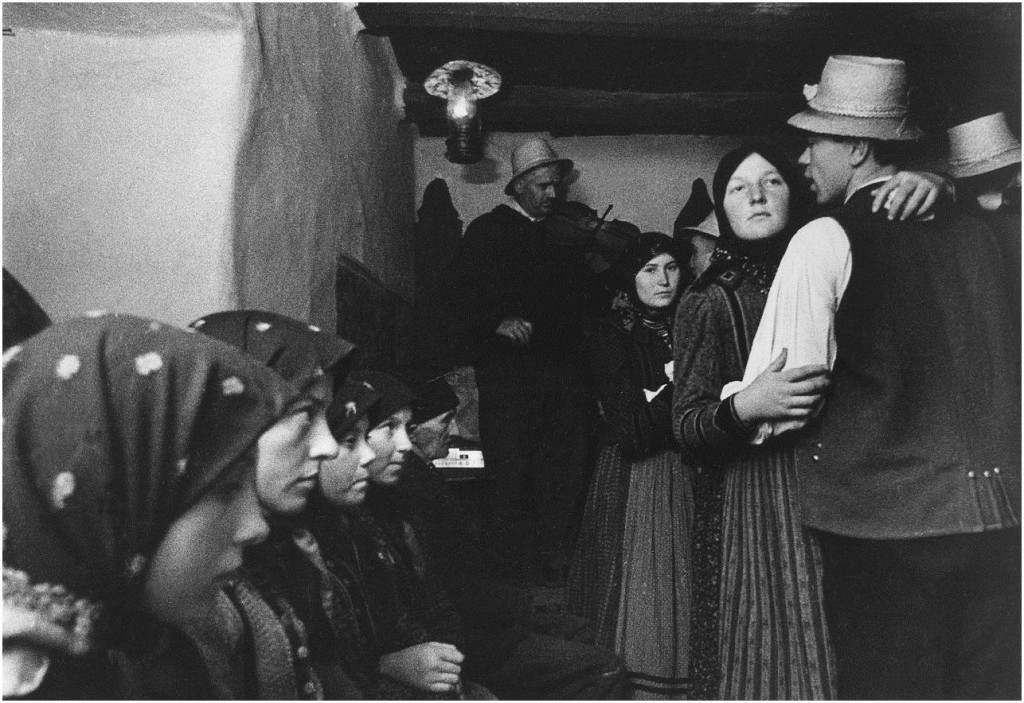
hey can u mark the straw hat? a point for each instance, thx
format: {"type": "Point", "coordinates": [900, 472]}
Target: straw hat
{"type": "Point", "coordinates": [859, 96]}
{"type": "Point", "coordinates": [532, 154]}
{"type": "Point", "coordinates": [982, 145]}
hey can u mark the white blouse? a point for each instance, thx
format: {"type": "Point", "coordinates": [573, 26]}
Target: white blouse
{"type": "Point", "coordinates": [799, 315]}
{"type": "Point", "coordinates": [800, 312]}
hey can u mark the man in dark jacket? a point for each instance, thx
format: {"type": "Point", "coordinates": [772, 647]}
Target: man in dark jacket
{"type": "Point", "coordinates": [503, 652]}
{"type": "Point", "coordinates": [910, 476]}
{"type": "Point", "coordinates": [515, 300]}
{"type": "Point", "coordinates": [984, 157]}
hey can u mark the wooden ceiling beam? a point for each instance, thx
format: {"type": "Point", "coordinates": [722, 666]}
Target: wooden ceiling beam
{"type": "Point", "coordinates": [695, 68]}
{"type": "Point", "coordinates": [820, 22]}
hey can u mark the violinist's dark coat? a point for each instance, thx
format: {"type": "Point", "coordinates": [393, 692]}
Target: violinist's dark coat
{"type": "Point", "coordinates": [507, 266]}
{"type": "Point", "coordinates": [533, 409]}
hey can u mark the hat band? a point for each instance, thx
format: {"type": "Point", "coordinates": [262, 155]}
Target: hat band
{"type": "Point", "coordinates": [979, 160]}
{"type": "Point", "coordinates": [866, 112]}
{"type": "Point", "coordinates": [883, 128]}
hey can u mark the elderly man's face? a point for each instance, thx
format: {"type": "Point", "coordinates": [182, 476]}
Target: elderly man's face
{"type": "Point", "coordinates": [826, 163]}
{"type": "Point", "coordinates": [540, 190]}
{"type": "Point", "coordinates": [431, 437]}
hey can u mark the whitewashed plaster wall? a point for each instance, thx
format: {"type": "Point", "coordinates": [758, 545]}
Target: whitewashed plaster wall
{"type": "Point", "coordinates": [170, 159]}
{"type": "Point", "coordinates": [119, 150]}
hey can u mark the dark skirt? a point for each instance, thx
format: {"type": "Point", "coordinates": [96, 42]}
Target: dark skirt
{"type": "Point", "coordinates": [759, 627]}
{"type": "Point", "coordinates": [595, 573]}
{"type": "Point", "coordinates": [631, 574]}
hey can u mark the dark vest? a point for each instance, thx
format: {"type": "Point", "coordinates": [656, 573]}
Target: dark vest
{"type": "Point", "coordinates": [916, 437]}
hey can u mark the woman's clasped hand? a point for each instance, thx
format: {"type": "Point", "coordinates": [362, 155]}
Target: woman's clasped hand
{"type": "Point", "coordinates": [431, 666]}
{"type": "Point", "coordinates": [776, 395]}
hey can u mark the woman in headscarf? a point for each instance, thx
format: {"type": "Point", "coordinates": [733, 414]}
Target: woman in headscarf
{"type": "Point", "coordinates": [128, 460]}
{"type": "Point", "coordinates": [415, 626]}
{"type": "Point", "coordinates": [334, 612]}
{"type": "Point", "coordinates": [758, 627]}
{"type": "Point", "coordinates": [630, 573]}
{"type": "Point", "coordinates": [401, 610]}
{"type": "Point", "coordinates": [349, 629]}
{"type": "Point", "coordinates": [260, 645]}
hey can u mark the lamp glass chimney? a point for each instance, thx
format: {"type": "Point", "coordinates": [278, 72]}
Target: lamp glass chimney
{"type": "Point", "coordinates": [461, 99]}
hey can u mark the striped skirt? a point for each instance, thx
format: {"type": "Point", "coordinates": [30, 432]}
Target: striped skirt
{"type": "Point", "coordinates": [653, 627]}
{"type": "Point", "coordinates": [772, 640]}
{"type": "Point", "coordinates": [595, 573]}
{"type": "Point", "coordinates": [631, 569]}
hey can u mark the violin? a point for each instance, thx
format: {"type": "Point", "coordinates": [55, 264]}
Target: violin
{"type": "Point", "coordinates": [603, 242]}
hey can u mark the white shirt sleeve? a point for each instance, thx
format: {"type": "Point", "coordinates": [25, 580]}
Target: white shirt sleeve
{"type": "Point", "coordinates": [799, 315]}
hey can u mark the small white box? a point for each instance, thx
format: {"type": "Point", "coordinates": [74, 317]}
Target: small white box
{"type": "Point", "coordinates": [461, 459]}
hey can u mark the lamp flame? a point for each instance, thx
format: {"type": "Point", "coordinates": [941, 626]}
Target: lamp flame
{"type": "Point", "coordinates": [462, 84]}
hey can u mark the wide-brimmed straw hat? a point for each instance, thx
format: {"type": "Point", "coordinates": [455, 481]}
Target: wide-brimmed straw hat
{"type": "Point", "coordinates": [982, 145]}
{"type": "Point", "coordinates": [859, 96]}
{"type": "Point", "coordinates": [532, 154]}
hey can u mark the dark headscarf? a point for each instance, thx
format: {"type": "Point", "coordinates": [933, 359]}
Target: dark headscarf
{"type": "Point", "coordinates": [629, 309]}
{"type": "Point", "coordinates": [767, 252]}
{"type": "Point", "coordinates": [640, 250]}
{"type": "Point", "coordinates": [649, 245]}
{"type": "Point", "coordinates": [645, 247]}
{"type": "Point", "coordinates": [113, 428]}
{"type": "Point", "coordinates": [296, 350]}
{"type": "Point", "coordinates": [433, 398]}
{"type": "Point", "coordinates": [300, 353]}
{"type": "Point", "coordinates": [394, 395]}
{"type": "Point", "coordinates": [352, 400]}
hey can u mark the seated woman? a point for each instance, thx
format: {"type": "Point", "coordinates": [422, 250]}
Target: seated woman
{"type": "Point", "coordinates": [327, 600]}
{"type": "Point", "coordinates": [343, 632]}
{"type": "Point", "coordinates": [631, 572]}
{"type": "Point", "coordinates": [504, 651]}
{"type": "Point", "coordinates": [403, 613]}
{"type": "Point", "coordinates": [259, 647]}
{"type": "Point", "coordinates": [129, 456]}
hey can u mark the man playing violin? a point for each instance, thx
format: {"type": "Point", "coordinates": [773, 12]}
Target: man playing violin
{"type": "Point", "coordinates": [515, 299]}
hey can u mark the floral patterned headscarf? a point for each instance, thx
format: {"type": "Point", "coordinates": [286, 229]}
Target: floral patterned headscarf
{"type": "Point", "coordinates": [296, 350]}
{"type": "Point", "coordinates": [114, 426]}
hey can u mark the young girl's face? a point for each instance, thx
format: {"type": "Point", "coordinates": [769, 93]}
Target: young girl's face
{"type": "Point", "coordinates": [657, 283]}
{"type": "Point", "coordinates": [431, 436]}
{"type": "Point", "coordinates": [343, 480]}
{"type": "Point", "coordinates": [201, 549]}
{"type": "Point", "coordinates": [756, 199]}
{"type": "Point", "coordinates": [390, 442]}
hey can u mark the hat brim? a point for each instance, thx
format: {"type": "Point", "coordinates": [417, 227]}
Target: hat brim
{"type": "Point", "coordinates": [567, 166]}
{"type": "Point", "coordinates": [976, 167]}
{"type": "Point", "coordinates": [888, 129]}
